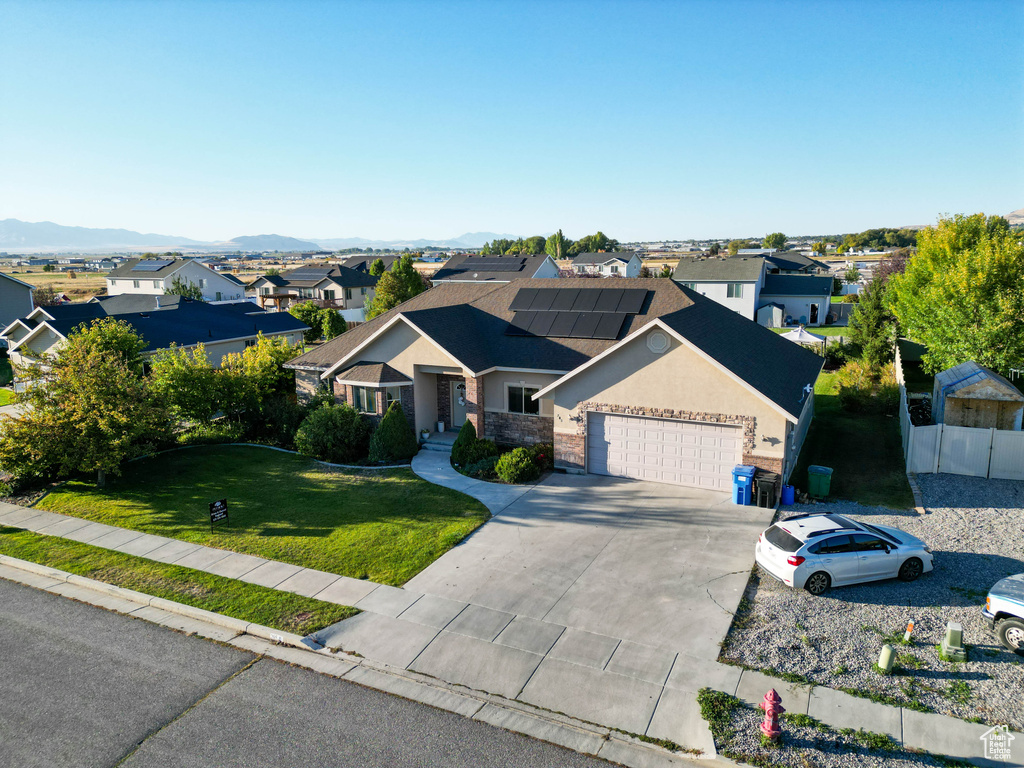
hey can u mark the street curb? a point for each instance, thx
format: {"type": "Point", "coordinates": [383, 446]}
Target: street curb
{"type": "Point", "coordinates": [916, 490]}
{"type": "Point", "coordinates": [515, 716]}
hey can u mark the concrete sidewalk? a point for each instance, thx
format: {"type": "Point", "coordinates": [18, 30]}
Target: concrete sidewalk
{"type": "Point", "coordinates": [436, 467]}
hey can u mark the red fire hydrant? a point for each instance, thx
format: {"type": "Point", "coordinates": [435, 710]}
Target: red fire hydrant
{"type": "Point", "coordinates": [772, 706]}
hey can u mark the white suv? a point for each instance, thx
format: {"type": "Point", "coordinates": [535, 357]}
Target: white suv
{"type": "Point", "coordinates": [821, 551]}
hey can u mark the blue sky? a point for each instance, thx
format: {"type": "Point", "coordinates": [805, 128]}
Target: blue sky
{"type": "Point", "coordinates": [395, 120]}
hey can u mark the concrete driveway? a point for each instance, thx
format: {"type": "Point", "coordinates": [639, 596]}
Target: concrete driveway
{"type": "Point", "coordinates": [601, 598]}
{"type": "Point", "coordinates": [656, 564]}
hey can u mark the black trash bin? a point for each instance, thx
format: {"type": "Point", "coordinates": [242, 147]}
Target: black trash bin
{"type": "Point", "coordinates": [766, 488]}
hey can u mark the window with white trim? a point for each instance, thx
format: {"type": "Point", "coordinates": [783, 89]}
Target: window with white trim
{"type": "Point", "coordinates": [156, 283]}
{"type": "Point", "coordinates": [135, 283]}
{"type": "Point", "coordinates": [365, 399]}
{"type": "Point", "coordinates": [615, 269]}
{"type": "Point", "coordinates": [391, 395]}
{"type": "Point", "coordinates": [348, 294]}
{"type": "Point", "coordinates": [734, 290]}
{"type": "Point", "coordinates": [362, 291]}
{"type": "Point", "coordinates": [520, 399]}
{"type": "Point", "coordinates": [328, 294]}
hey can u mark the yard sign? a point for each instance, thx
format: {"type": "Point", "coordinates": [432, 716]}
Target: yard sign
{"type": "Point", "coordinates": [218, 512]}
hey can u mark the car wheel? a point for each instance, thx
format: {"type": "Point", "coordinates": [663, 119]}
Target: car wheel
{"type": "Point", "coordinates": [818, 583]}
{"type": "Point", "coordinates": [910, 570]}
{"type": "Point", "coordinates": [1011, 634]}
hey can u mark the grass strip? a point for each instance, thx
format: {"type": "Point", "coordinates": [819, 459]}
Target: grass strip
{"type": "Point", "coordinates": [382, 526]}
{"type": "Point", "coordinates": [249, 602]}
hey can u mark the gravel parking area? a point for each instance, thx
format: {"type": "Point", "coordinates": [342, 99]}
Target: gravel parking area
{"type": "Point", "coordinates": [975, 528]}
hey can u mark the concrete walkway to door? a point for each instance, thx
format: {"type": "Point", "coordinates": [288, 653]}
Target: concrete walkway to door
{"type": "Point", "coordinates": [436, 467]}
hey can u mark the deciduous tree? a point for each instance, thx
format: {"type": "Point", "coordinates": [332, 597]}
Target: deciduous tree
{"type": "Point", "coordinates": [309, 313]}
{"type": "Point", "coordinates": [186, 381]}
{"type": "Point", "coordinates": [775, 240]}
{"type": "Point", "coordinates": [185, 288]}
{"type": "Point", "coordinates": [962, 294]}
{"type": "Point", "coordinates": [395, 286]}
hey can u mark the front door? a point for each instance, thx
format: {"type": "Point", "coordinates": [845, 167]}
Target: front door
{"type": "Point", "coordinates": [458, 405]}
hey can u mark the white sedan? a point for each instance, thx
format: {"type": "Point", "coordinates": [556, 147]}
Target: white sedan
{"type": "Point", "coordinates": [818, 551]}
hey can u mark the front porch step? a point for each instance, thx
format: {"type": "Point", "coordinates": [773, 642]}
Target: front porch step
{"type": "Point", "coordinates": [430, 445]}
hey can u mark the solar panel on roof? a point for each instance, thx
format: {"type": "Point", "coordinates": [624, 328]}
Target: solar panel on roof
{"type": "Point", "coordinates": [562, 327]}
{"type": "Point", "coordinates": [151, 265]}
{"type": "Point", "coordinates": [545, 296]}
{"type": "Point", "coordinates": [492, 265]}
{"type": "Point", "coordinates": [632, 301]}
{"type": "Point", "coordinates": [564, 299]}
{"type": "Point", "coordinates": [586, 300]}
{"type": "Point", "coordinates": [523, 299]}
{"type": "Point", "coordinates": [520, 322]}
{"type": "Point", "coordinates": [586, 325]}
{"type": "Point", "coordinates": [608, 326]}
{"type": "Point", "coordinates": [541, 323]}
{"type": "Point", "coordinates": [609, 299]}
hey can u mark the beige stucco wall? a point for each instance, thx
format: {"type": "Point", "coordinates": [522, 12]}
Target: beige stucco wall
{"type": "Point", "coordinates": [678, 379]}
{"type": "Point", "coordinates": [494, 389]}
{"type": "Point", "coordinates": [402, 348]}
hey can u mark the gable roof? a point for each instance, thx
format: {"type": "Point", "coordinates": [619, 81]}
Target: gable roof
{"type": "Point", "coordinates": [372, 374]}
{"type": "Point", "coordinates": [794, 261]}
{"type": "Point", "coordinates": [469, 267]}
{"type": "Point", "coordinates": [966, 377]}
{"type": "Point", "coordinates": [182, 321]}
{"type": "Point", "coordinates": [603, 258]}
{"type": "Point", "coordinates": [16, 280]}
{"type": "Point", "coordinates": [362, 263]}
{"type": "Point", "coordinates": [469, 320]}
{"type": "Point", "coordinates": [715, 270]}
{"type": "Point", "coordinates": [126, 269]}
{"type": "Point", "coordinates": [312, 275]}
{"type": "Point", "coordinates": [797, 285]}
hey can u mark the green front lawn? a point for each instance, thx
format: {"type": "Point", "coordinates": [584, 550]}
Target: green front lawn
{"type": "Point", "coordinates": [864, 450]}
{"type": "Point", "coordinates": [6, 397]}
{"type": "Point", "coordinates": [385, 526]}
{"type": "Point", "coordinates": [6, 372]}
{"type": "Point", "coordinates": [249, 602]}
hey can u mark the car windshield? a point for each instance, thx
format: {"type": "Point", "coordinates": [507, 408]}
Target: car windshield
{"type": "Point", "coordinates": [779, 538]}
{"type": "Point", "coordinates": [887, 536]}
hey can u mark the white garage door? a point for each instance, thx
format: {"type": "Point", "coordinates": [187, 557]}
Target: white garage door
{"type": "Point", "coordinates": [663, 451]}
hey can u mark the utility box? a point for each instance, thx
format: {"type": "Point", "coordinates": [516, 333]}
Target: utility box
{"type": "Point", "coordinates": [969, 395]}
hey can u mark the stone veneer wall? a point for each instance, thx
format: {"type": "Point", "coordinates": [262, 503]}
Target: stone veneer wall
{"type": "Point", "coordinates": [570, 449]}
{"type": "Point", "coordinates": [519, 429]}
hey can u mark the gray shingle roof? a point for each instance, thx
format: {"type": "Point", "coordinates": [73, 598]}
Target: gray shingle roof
{"type": "Point", "coordinates": [461, 268]}
{"type": "Point", "coordinates": [372, 373]}
{"type": "Point", "coordinates": [125, 270]}
{"type": "Point", "coordinates": [714, 270]}
{"type": "Point", "coordinates": [362, 263]}
{"type": "Point", "coordinates": [797, 285]}
{"type": "Point", "coordinates": [468, 320]}
{"type": "Point", "coordinates": [793, 261]}
{"type": "Point", "coordinates": [603, 258]}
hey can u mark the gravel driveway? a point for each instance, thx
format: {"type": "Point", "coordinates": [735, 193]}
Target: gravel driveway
{"type": "Point", "coordinates": [975, 527]}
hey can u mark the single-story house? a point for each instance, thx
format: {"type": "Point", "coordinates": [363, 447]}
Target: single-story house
{"type": "Point", "coordinates": [470, 268]}
{"type": "Point", "coordinates": [363, 262]}
{"type": "Point", "coordinates": [154, 276]}
{"type": "Point", "coordinates": [332, 286]}
{"type": "Point", "coordinates": [642, 378]}
{"type": "Point", "coordinates": [15, 299]}
{"type": "Point", "coordinates": [805, 299]}
{"type": "Point", "coordinates": [615, 264]}
{"type": "Point", "coordinates": [159, 320]}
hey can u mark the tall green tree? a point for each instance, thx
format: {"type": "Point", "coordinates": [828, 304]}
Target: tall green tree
{"type": "Point", "coordinates": [90, 408]}
{"type": "Point", "coordinates": [332, 323]}
{"type": "Point", "coordinates": [557, 246]}
{"type": "Point", "coordinates": [775, 240]}
{"type": "Point", "coordinates": [852, 275]}
{"type": "Point", "coordinates": [255, 376]}
{"type": "Point", "coordinates": [962, 293]}
{"type": "Point", "coordinates": [872, 327]}
{"type": "Point", "coordinates": [820, 247]}
{"type": "Point", "coordinates": [309, 313]}
{"type": "Point", "coordinates": [185, 380]}
{"type": "Point", "coordinates": [377, 267]}
{"type": "Point", "coordinates": [185, 288]}
{"type": "Point", "coordinates": [735, 246]}
{"type": "Point", "coordinates": [715, 249]}
{"type": "Point", "coordinates": [397, 285]}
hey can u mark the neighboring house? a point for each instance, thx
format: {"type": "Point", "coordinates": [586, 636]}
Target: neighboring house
{"type": "Point", "coordinates": [794, 263]}
{"type": "Point", "coordinates": [644, 379]}
{"type": "Point", "coordinates": [615, 264]}
{"type": "Point", "coordinates": [470, 268]}
{"type": "Point", "coordinates": [747, 286]}
{"type": "Point", "coordinates": [804, 299]}
{"type": "Point", "coordinates": [331, 286]}
{"type": "Point", "coordinates": [155, 276]}
{"type": "Point", "coordinates": [159, 320]}
{"type": "Point", "coordinates": [734, 283]}
{"type": "Point", "coordinates": [362, 263]}
{"type": "Point", "coordinates": [15, 299]}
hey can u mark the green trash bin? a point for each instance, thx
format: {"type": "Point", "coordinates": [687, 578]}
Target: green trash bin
{"type": "Point", "coordinates": [819, 479]}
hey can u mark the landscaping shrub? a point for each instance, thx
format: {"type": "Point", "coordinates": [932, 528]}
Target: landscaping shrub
{"type": "Point", "coordinates": [480, 450]}
{"type": "Point", "coordinates": [483, 469]}
{"type": "Point", "coordinates": [334, 433]}
{"type": "Point", "coordinates": [517, 466]}
{"type": "Point", "coordinates": [543, 456]}
{"type": "Point", "coordinates": [466, 438]}
{"type": "Point", "coordinates": [393, 440]}
{"type": "Point", "coordinates": [213, 433]}
{"type": "Point", "coordinates": [864, 389]}
{"type": "Point", "coordinates": [838, 353]}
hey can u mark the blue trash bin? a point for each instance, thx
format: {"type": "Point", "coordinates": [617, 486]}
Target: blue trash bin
{"type": "Point", "coordinates": [743, 484]}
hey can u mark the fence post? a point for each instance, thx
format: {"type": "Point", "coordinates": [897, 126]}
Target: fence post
{"type": "Point", "coordinates": [938, 449]}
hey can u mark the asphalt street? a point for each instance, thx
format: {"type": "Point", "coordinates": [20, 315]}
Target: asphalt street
{"type": "Point", "coordinates": [83, 687]}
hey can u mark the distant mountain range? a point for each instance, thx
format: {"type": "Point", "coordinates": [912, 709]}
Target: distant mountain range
{"type": "Point", "coordinates": [45, 236]}
{"type": "Point", "coordinates": [1017, 217]}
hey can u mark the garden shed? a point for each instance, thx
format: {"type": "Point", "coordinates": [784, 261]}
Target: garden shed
{"type": "Point", "coordinates": [969, 395]}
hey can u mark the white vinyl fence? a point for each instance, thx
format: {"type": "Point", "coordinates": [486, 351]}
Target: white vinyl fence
{"type": "Point", "coordinates": [993, 453]}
